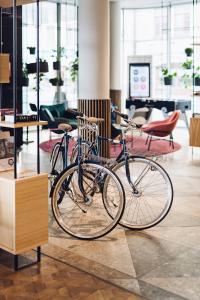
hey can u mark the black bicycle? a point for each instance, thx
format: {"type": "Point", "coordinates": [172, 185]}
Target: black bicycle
{"type": "Point", "coordinates": [87, 198]}
{"type": "Point", "coordinates": [148, 188]}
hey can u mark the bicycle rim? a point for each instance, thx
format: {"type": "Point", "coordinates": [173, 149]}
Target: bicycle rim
{"type": "Point", "coordinates": [87, 220]}
{"type": "Point", "coordinates": [152, 201]}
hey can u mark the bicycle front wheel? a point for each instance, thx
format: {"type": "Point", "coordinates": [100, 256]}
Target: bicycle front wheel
{"type": "Point", "coordinates": [151, 201]}
{"type": "Point", "coordinates": [87, 219]}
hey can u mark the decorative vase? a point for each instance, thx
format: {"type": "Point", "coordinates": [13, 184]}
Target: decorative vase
{"type": "Point", "coordinates": [197, 81]}
{"type": "Point", "coordinates": [56, 65]}
{"type": "Point", "coordinates": [167, 80]}
{"type": "Point", "coordinates": [25, 81]}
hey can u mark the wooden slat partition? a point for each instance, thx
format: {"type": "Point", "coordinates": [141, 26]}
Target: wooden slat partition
{"type": "Point", "coordinates": [195, 132]}
{"type": "Point", "coordinates": [99, 109]}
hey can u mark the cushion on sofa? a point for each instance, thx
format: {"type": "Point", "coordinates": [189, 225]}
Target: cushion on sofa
{"type": "Point", "coordinates": [57, 110]}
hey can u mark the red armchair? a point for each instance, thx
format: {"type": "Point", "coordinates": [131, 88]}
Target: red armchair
{"type": "Point", "coordinates": [161, 128]}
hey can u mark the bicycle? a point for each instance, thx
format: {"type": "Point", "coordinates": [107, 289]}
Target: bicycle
{"type": "Point", "coordinates": [149, 190]}
{"type": "Point", "coordinates": [87, 199]}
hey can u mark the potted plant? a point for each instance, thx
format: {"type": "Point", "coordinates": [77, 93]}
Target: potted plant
{"type": "Point", "coordinates": [187, 80]}
{"type": "Point", "coordinates": [196, 77]}
{"type": "Point", "coordinates": [41, 77]}
{"type": "Point", "coordinates": [43, 68]}
{"type": "Point", "coordinates": [58, 54]}
{"type": "Point", "coordinates": [25, 79]}
{"type": "Point", "coordinates": [188, 51]}
{"type": "Point", "coordinates": [168, 77]}
{"type": "Point", "coordinates": [74, 69]}
{"type": "Point", "coordinates": [57, 81]}
{"type": "Point", "coordinates": [187, 64]}
{"type": "Point", "coordinates": [31, 50]}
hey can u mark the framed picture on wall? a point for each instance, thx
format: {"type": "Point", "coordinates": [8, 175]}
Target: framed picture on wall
{"type": "Point", "coordinates": [139, 80]}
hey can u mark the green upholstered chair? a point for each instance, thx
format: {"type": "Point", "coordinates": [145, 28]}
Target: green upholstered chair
{"type": "Point", "coordinates": [56, 114]}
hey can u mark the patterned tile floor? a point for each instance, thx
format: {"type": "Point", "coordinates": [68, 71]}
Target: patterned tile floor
{"type": "Point", "coordinates": [160, 263]}
{"type": "Point", "coordinates": [54, 280]}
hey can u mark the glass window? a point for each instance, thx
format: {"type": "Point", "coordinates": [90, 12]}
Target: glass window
{"type": "Point", "coordinates": [167, 32]}
{"type": "Point", "coordinates": [58, 41]}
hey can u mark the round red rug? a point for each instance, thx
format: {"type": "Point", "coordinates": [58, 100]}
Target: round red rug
{"type": "Point", "coordinates": [136, 146]}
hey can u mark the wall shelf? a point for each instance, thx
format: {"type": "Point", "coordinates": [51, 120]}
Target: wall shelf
{"type": "Point", "coordinates": [22, 124]}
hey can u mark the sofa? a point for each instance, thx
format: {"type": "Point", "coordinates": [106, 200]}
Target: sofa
{"type": "Point", "coordinates": [56, 114]}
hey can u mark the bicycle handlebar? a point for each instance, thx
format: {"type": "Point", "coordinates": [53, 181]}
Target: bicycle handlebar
{"type": "Point", "coordinates": [124, 116]}
{"type": "Point", "coordinates": [75, 113]}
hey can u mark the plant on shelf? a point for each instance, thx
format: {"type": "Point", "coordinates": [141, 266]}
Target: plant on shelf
{"type": "Point", "coordinates": [196, 76]}
{"type": "Point", "coordinates": [187, 80]}
{"type": "Point", "coordinates": [31, 50]}
{"type": "Point", "coordinates": [74, 69]}
{"type": "Point", "coordinates": [32, 67]}
{"type": "Point", "coordinates": [187, 64]}
{"type": "Point", "coordinates": [41, 77]}
{"type": "Point", "coordinates": [168, 77]}
{"type": "Point", "coordinates": [25, 79]}
{"type": "Point", "coordinates": [57, 81]}
{"type": "Point", "coordinates": [188, 51]}
{"type": "Point", "coordinates": [58, 54]}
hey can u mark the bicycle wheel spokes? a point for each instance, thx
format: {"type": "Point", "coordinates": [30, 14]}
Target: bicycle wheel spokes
{"type": "Point", "coordinates": [85, 216]}
{"type": "Point", "coordinates": [151, 201]}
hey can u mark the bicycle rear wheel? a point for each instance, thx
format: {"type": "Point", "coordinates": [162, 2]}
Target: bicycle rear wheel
{"type": "Point", "coordinates": [87, 219]}
{"type": "Point", "coordinates": [85, 148]}
{"type": "Point", "coordinates": [152, 201]}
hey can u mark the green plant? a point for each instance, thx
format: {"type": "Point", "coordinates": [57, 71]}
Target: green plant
{"type": "Point", "coordinates": [41, 77]}
{"type": "Point", "coordinates": [74, 69]}
{"type": "Point", "coordinates": [187, 80]}
{"type": "Point", "coordinates": [57, 81]}
{"type": "Point", "coordinates": [196, 74]}
{"type": "Point", "coordinates": [166, 73]}
{"type": "Point", "coordinates": [24, 71]}
{"type": "Point", "coordinates": [188, 51]}
{"type": "Point", "coordinates": [187, 64]}
{"type": "Point", "coordinates": [59, 53]}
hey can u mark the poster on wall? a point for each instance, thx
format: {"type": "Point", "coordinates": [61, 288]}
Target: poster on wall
{"type": "Point", "coordinates": [139, 80]}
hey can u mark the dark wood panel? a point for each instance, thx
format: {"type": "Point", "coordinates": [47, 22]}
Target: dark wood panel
{"type": "Point", "coordinates": [99, 108]}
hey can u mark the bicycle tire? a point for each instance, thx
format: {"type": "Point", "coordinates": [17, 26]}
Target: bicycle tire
{"type": "Point", "coordinates": [144, 211]}
{"type": "Point", "coordinates": [90, 223]}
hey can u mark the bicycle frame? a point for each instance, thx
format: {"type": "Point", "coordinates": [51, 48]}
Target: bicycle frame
{"type": "Point", "coordinates": [63, 148]}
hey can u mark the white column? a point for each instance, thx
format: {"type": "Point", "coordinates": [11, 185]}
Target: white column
{"type": "Point", "coordinates": [94, 64]}
{"type": "Point", "coordinates": [94, 50]}
{"type": "Point", "coordinates": [115, 47]}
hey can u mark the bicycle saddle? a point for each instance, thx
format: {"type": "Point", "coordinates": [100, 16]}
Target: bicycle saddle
{"type": "Point", "coordinates": [65, 127]}
{"type": "Point", "coordinates": [94, 120]}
